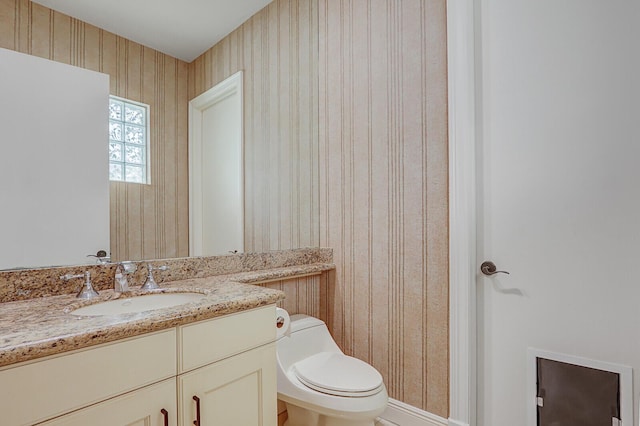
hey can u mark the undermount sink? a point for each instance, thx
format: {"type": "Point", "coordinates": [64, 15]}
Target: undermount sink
{"type": "Point", "coordinates": [138, 304]}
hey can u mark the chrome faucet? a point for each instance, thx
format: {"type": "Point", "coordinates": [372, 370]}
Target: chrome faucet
{"type": "Point", "coordinates": [120, 282]}
{"type": "Point", "coordinates": [150, 283]}
{"type": "Point", "coordinates": [87, 291]}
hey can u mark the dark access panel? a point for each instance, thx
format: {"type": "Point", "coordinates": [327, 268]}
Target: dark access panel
{"type": "Point", "coordinates": [573, 395]}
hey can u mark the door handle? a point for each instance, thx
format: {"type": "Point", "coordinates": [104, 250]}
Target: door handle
{"type": "Point", "coordinates": [196, 422]}
{"type": "Point", "coordinates": [165, 416]}
{"type": "Point", "coordinates": [489, 268]}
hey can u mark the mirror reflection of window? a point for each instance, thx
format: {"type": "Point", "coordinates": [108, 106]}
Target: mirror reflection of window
{"type": "Point", "coordinates": [128, 141]}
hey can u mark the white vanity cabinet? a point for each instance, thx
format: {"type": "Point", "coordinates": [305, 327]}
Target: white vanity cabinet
{"type": "Point", "coordinates": [154, 405]}
{"type": "Point", "coordinates": [235, 391]}
{"type": "Point", "coordinates": [36, 391]}
{"type": "Point", "coordinates": [229, 371]}
{"type": "Point", "coordinates": [228, 363]}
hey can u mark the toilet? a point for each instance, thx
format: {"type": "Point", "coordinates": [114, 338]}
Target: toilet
{"type": "Point", "coordinates": [320, 385]}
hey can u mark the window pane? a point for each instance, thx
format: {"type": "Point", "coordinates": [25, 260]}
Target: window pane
{"type": "Point", "coordinates": [134, 134]}
{"type": "Point", "coordinates": [128, 141]}
{"type": "Point", "coordinates": [134, 154]}
{"type": "Point", "coordinates": [115, 131]}
{"type": "Point", "coordinates": [115, 171]}
{"type": "Point", "coordinates": [115, 151]}
{"type": "Point", "coordinates": [134, 114]}
{"type": "Point", "coordinates": [134, 174]}
{"type": "Point", "coordinates": [115, 109]}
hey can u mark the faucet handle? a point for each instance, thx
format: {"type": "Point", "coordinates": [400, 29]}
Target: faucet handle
{"type": "Point", "coordinates": [157, 268]}
{"type": "Point", "coordinates": [87, 291]}
{"type": "Point", "coordinates": [68, 277]}
{"type": "Point", "coordinates": [101, 257]}
{"type": "Point", "coordinates": [150, 283]}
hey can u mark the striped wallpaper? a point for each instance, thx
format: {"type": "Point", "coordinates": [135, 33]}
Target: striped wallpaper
{"type": "Point", "coordinates": [377, 73]}
{"type": "Point", "coordinates": [383, 180]}
{"type": "Point", "coordinates": [277, 49]}
{"type": "Point", "coordinates": [345, 147]}
{"type": "Point", "coordinates": [305, 295]}
{"type": "Point", "coordinates": [147, 221]}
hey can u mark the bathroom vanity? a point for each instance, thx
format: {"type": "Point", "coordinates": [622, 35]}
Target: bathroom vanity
{"type": "Point", "coordinates": [207, 361]}
{"type": "Point", "coordinates": [221, 371]}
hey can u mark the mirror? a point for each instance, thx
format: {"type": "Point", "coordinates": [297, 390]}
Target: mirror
{"type": "Point", "coordinates": [281, 153]}
{"type": "Point", "coordinates": [58, 180]}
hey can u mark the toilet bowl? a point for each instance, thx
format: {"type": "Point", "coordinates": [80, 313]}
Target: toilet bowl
{"type": "Point", "coordinates": [320, 385]}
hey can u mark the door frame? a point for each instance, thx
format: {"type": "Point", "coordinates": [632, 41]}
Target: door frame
{"type": "Point", "coordinates": [231, 86]}
{"type": "Point", "coordinates": [461, 70]}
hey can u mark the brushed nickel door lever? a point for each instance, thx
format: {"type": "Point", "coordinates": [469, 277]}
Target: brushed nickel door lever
{"type": "Point", "coordinates": [489, 268]}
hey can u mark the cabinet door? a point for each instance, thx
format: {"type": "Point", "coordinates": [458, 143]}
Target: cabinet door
{"type": "Point", "coordinates": [240, 390]}
{"type": "Point", "coordinates": [37, 391]}
{"type": "Point", "coordinates": [139, 408]}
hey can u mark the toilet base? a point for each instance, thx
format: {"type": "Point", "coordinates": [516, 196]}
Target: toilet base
{"type": "Point", "coordinates": [302, 417]}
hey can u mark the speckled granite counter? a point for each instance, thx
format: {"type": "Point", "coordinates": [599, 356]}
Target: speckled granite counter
{"type": "Point", "coordinates": [21, 284]}
{"type": "Point", "coordinates": [43, 326]}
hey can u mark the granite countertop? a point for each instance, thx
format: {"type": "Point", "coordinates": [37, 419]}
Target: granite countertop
{"type": "Point", "coordinates": [40, 327]}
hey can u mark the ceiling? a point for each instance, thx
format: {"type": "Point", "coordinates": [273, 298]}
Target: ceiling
{"type": "Point", "coordinates": [181, 28]}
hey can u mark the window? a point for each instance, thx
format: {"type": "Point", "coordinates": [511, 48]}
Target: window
{"type": "Point", "coordinates": [128, 140]}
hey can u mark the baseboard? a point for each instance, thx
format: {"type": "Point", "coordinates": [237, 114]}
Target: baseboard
{"type": "Point", "coordinates": [457, 423]}
{"type": "Point", "coordinates": [403, 414]}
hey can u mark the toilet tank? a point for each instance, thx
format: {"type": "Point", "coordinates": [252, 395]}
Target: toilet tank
{"type": "Point", "coordinates": [309, 336]}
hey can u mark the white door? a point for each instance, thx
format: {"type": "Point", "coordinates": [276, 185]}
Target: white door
{"type": "Point", "coordinates": [216, 170]}
{"type": "Point", "coordinates": [558, 191]}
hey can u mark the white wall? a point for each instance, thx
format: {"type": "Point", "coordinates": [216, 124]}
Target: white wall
{"type": "Point", "coordinates": [54, 182]}
{"type": "Point", "coordinates": [559, 190]}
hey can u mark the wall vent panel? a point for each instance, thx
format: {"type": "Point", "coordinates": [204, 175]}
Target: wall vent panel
{"type": "Point", "coordinates": [566, 390]}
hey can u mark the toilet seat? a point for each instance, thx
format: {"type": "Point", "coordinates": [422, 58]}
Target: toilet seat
{"type": "Point", "coordinates": [337, 374]}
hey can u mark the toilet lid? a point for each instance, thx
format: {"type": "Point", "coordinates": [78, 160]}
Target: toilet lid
{"type": "Point", "coordinates": [338, 374]}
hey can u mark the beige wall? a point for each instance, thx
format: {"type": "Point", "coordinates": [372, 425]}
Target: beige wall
{"type": "Point", "coordinates": [305, 295]}
{"type": "Point", "coordinates": [345, 147]}
{"type": "Point", "coordinates": [383, 180]}
{"type": "Point", "coordinates": [277, 49]}
{"type": "Point", "coordinates": [380, 195]}
{"type": "Point", "coordinates": [147, 221]}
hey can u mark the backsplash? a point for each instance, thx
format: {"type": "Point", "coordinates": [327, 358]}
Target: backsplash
{"type": "Point", "coordinates": [31, 283]}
